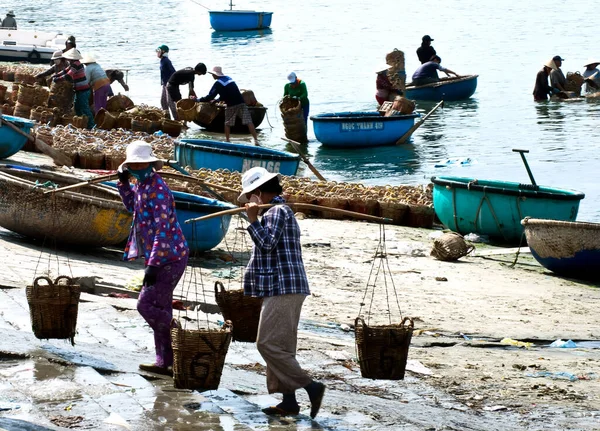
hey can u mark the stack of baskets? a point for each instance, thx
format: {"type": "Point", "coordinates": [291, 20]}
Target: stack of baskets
{"type": "Point", "coordinates": [396, 73]}
{"type": "Point", "coordinates": [53, 307]}
{"type": "Point", "coordinates": [450, 246]}
{"type": "Point", "coordinates": [243, 311]}
{"type": "Point", "coordinates": [61, 97]}
{"type": "Point", "coordinates": [293, 119]}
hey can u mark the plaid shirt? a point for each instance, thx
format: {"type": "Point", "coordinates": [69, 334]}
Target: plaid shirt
{"type": "Point", "coordinates": [276, 266]}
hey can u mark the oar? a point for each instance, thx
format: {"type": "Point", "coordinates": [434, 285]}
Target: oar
{"type": "Point", "coordinates": [58, 157]}
{"type": "Point", "coordinates": [296, 146]}
{"type": "Point", "coordinates": [295, 205]}
{"type": "Point", "coordinates": [84, 183]}
{"type": "Point", "coordinates": [407, 135]}
{"type": "Point", "coordinates": [521, 152]}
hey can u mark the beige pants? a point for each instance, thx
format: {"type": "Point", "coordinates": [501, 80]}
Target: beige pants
{"type": "Point", "coordinates": [277, 340]}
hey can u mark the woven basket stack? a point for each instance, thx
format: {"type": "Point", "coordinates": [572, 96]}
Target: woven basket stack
{"type": "Point", "coordinates": [293, 119]}
{"type": "Point", "coordinates": [396, 73]}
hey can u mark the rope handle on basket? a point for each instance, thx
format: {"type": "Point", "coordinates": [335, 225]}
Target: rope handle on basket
{"type": "Point", "coordinates": [217, 285]}
{"type": "Point", "coordinates": [64, 277]}
{"type": "Point", "coordinates": [43, 277]}
{"type": "Point", "coordinates": [175, 323]}
{"type": "Point", "coordinates": [411, 324]}
{"type": "Point", "coordinates": [359, 320]}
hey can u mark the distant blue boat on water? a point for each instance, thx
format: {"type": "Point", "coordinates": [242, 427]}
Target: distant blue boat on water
{"type": "Point", "coordinates": [12, 142]}
{"type": "Point", "coordinates": [238, 20]}
{"type": "Point", "coordinates": [360, 129]}
{"type": "Point", "coordinates": [205, 153]}
{"type": "Point", "coordinates": [447, 89]}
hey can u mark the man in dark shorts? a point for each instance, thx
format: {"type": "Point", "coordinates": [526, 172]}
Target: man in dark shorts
{"type": "Point", "coordinates": [182, 77]}
{"type": "Point", "coordinates": [228, 92]}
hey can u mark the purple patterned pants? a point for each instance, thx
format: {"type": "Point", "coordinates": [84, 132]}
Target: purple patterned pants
{"type": "Point", "coordinates": [155, 304]}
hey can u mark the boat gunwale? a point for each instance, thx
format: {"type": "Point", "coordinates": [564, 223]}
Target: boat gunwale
{"type": "Point", "coordinates": [269, 154]}
{"type": "Point", "coordinates": [464, 78]}
{"type": "Point", "coordinates": [368, 115]}
{"type": "Point", "coordinates": [559, 194]}
{"type": "Point", "coordinates": [240, 12]}
{"type": "Point", "coordinates": [537, 222]}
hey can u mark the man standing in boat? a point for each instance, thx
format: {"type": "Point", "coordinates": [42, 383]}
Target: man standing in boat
{"type": "Point", "coordinates": [228, 92]}
{"type": "Point", "coordinates": [182, 77]}
{"type": "Point", "coordinates": [427, 72]}
{"type": "Point", "coordinates": [9, 21]}
{"type": "Point", "coordinates": [426, 51]}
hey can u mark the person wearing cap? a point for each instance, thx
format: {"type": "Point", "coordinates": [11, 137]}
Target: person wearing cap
{"type": "Point", "coordinates": [425, 51]}
{"type": "Point", "coordinates": [182, 77]}
{"type": "Point", "coordinates": [70, 43]}
{"type": "Point", "coordinates": [592, 76]}
{"type": "Point", "coordinates": [98, 81]}
{"type": "Point", "coordinates": [155, 236]}
{"type": "Point", "coordinates": [166, 70]}
{"type": "Point", "coordinates": [116, 75]}
{"type": "Point", "coordinates": [383, 86]}
{"type": "Point", "coordinates": [75, 73]}
{"type": "Point", "coordinates": [228, 92]}
{"type": "Point", "coordinates": [557, 77]}
{"type": "Point", "coordinates": [59, 63]}
{"type": "Point", "coordinates": [542, 89]}
{"type": "Point", "coordinates": [427, 72]}
{"type": "Point", "coordinates": [275, 272]}
{"type": "Point", "coordinates": [296, 89]}
{"type": "Point", "coordinates": [9, 21]}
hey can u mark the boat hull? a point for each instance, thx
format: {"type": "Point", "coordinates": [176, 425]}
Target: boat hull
{"type": "Point", "coordinates": [203, 153]}
{"type": "Point", "coordinates": [571, 249]}
{"type": "Point", "coordinates": [496, 208]}
{"type": "Point", "coordinates": [238, 20]}
{"type": "Point", "coordinates": [29, 45]}
{"type": "Point", "coordinates": [12, 142]}
{"type": "Point", "coordinates": [257, 113]}
{"type": "Point", "coordinates": [360, 129]}
{"type": "Point", "coordinates": [447, 89]}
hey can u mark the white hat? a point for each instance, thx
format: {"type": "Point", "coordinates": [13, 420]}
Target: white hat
{"type": "Point", "coordinates": [72, 54]}
{"type": "Point", "coordinates": [88, 58]}
{"type": "Point", "coordinates": [382, 68]}
{"type": "Point", "coordinates": [217, 71]}
{"type": "Point", "coordinates": [551, 64]}
{"type": "Point", "coordinates": [292, 77]}
{"type": "Point", "coordinates": [253, 179]}
{"type": "Point", "coordinates": [138, 152]}
{"type": "Point", "coordinates": [56, 55]}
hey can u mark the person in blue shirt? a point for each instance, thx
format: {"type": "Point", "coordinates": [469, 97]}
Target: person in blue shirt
{"type": "Point", "coordinates": [166, 70]}
{"type": "Point", "coordinates": [427, 72]}
{"type": "Point", "coordinates": [228, 92]}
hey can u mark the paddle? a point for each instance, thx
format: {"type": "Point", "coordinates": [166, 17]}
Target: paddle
{"type": "Point", "coordinates": [295, 205]}
{"type": "Point", "coordinates": [58, 157]}
{"type": "Point", "coordinates": [83, 183]}
{"type": "Point", "coordinates": [410, 131]}
{"type": "Point", "coordinates": [521, 152]}
{"type": "Point", "coordinates": [296, 146]}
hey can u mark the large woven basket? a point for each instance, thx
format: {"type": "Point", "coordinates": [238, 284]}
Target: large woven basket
{"type": "Point", "coordinates": [574, 82]}
{"type": "Point", "coordinates": [450, 246]}
{"type": "Point", "coordinates": [186, 110]}
{"type": "Point", "coordinates": [53, 308]}
{"type": "Point", "coordinates": [293, 119]}
{"type": "Point", "coordinates": [243, 312]}
{"type": "Point", "coordinates": [170, 127]}
{"type": "Point", "coordinates": [105, 120]}
{"type": "Point", "coordinates": [199, 356]}
{"type": "Point", "coordinates": [383, 350]}
{"type": "Point", "coordinates": [205, 112]}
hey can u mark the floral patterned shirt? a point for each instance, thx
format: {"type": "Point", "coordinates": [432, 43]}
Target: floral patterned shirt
{"type": "Point", "coordinates": [155, 231]}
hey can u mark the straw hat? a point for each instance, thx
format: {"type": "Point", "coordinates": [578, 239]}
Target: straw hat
{"type": "Point", "coordinates": [217, 71]}
{"type": "Point", "coordinates": [88, 58]}
{"type": "Point", "coordinates": [551, 64]}
{"type": "Point", "coordinates": [138, 152]}
{"type": "Point", "coordinates": [72, 54]}
{"type": "Point", "coordinates": [253, 179]}
{"type": "Point", "coordinates": [382, 68]}
{"type": "Point", "coordinates": [10, 13]}
{"type": "Point", "coordinates": [591, 61]}
{"type": "Point", "coordinates": [56, 55]}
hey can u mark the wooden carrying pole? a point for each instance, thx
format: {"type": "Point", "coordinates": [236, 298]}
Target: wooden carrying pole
{"type": "Point", "coordinates": [297, 206]}
{"type": "Point", "coordinates": [198, 180]}
{"type": "Point", "coordinates": [408, 134]}
{"type": "Point", "coordinates": [84, 183]}
{"type": "Point", "coordinates": [58, 157]}
{"type": "Point", "coordinates": [296, 146]}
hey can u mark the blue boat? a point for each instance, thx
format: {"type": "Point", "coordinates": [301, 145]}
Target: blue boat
{"type": "Point", "coordinates": [10, 141]}
{"type": "Point", "coordinates": [447, 89]}
{"type": "Point", "coordinates": [238, 20]}
{"type": "Point", "coordinates": [571, 249]}
{"type": "Point", "coordinates": [204, 153]}
{"type": "Point", "coordinates": [496, 208]}
{"type": "Point", "coordinates": [360, 129]}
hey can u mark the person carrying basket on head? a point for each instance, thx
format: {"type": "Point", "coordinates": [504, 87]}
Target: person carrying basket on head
{"type": "Point", "coordinates": [157, 237]}
{"type": "Point", "coordinates": [276, 273]}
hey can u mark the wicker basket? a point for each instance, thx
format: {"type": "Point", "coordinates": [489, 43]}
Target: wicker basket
{"type": "Point", "coordinates": [186, 110]}
{"type": "Point", "coordinates": [249, 97]}
{"type": "Point", "coordinates": [199, 356]}
{"type": "Point", "coordinates": [383, 350]}
{"type": "Point", "coordinates": [574, 82]}
{"type": "Point", "coordinates": [23, 111]}
{"type": "Point", "coordinates": [171, 128]}
{"type": "Point", "coordinates": [139, 124]}
{"type": "Point", "coordinates": [403, 105]}
{"type": "Point", "coordinates": [3, 89]}
{"type": "Point", "coordinates": [113, 161]}
{"type": "Point", "coordinates": [53, 308]}
{"type": "Point", "coordinates": [91, 160]}
{"type": "Point", "coordinates": [205, 112]}
{"type": "Point", "coordinates": [243, 311]}
{"type": "Point", "coordinates": [9, 76]}
{"type": "Point", "coordinates": [293, 119]}
{"type": "Point", "coordinates": [105, 120]}
{"type": "Point", "coordinates": [124, 122]}
{"type": "Point", "coordinates": [450, 246]}
{"type": "Point", "coordinates": [119, 103]}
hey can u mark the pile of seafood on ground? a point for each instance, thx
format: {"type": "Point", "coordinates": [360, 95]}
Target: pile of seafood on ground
{"type": "Point", "coordinates": [404, 205]}
{"type": "Point", "coordinates": [99, 149]}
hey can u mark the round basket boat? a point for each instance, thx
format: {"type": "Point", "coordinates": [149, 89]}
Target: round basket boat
{"type": "Point", "coordinates": [571, 249]}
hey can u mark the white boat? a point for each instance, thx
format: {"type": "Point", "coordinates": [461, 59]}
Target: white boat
{"type": "Point", "coordinates": [29, 45]}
